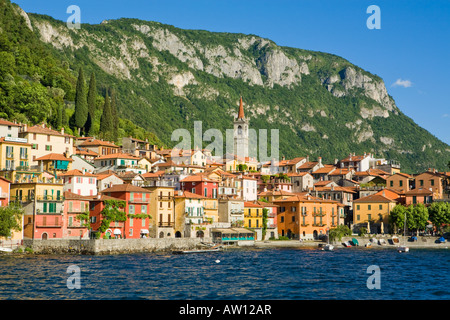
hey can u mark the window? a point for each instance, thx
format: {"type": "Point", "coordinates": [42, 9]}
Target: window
{"type": "Point", "coordinates": [131, 208]}
{"type": "Point", "coordinates": [205, 192]}
{"type": "Point", "coordinates": [380, 207]}
{"type": "Point", "coordinates": [293, 209]}
{"type": "Point", "coordinates": [391, 183]}
{"type": "Point", "coordinates": [369, 216]}
{"type": "Point", "coordinates": [400, 183]}
{"type": "Point", "coordinates": [48, 148]}
{"type": "Point", "coordinates": [369, 207]}
{"type": "Point", "coordinates": [131, 232]}
{"type": "Point", "coordinates": [282, 219]}
{"type": "Point", "coordinates": [432, 182]}
{"type": "Point", "coordinates": [357, 217]}
{"type": "Point", "coordinates": [70, 221]}
{"type": "Point", "coordinates": [293, 218]}
{"type": "Point", "coordinates": [421, 183]}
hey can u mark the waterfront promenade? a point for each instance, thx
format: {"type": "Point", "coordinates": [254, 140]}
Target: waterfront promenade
{"type": "Point", "coordinates": [123, 246]}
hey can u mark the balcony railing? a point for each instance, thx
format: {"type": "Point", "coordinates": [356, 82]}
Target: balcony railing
{"type": "Point", "coordinates": [319, 214]}
{"type": "Point", "coordinates": [40, 224]}
{"type": "Point", "coordinates": [139, 200]}
{"type": "Point", "coordinates": [166, 224]}
{"type": "Point", "coordinates": [50, 198]}
{"type": "Point", "coordinates": [319, 224]}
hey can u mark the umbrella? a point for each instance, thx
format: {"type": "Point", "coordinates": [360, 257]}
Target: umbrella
{"type": "Point", "coordinates": [382, 227]}
{"type": "Point", "coordinates": [368, 227]}
{"type": "Point", "coordinates": [117, 231]}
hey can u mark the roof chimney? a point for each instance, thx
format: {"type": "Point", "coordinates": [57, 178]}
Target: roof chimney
{"type": "Point", "coordinates": [320, 160]}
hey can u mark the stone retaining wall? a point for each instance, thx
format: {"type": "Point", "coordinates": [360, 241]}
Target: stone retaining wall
{"type": "Point", "coordinates": [113, 246]}
{"type": "Point", "coordinates": [425, 242]}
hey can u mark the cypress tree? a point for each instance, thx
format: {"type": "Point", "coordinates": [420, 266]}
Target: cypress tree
{"type": "Point", "coordinates": [91, 101]}
{"type": "Point", "coordinates": [115, 117]}
{"type": "Point", "coordinates": [106, 121]}
{"type": "Point", "coordinates": [81, 108]}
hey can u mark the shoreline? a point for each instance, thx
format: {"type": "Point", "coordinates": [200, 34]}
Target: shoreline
{"type": "Point", "coordinates": [153, 245]}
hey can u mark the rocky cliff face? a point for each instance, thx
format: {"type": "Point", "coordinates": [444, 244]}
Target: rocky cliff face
{"type": "Point", "coordinates": [317, 99]}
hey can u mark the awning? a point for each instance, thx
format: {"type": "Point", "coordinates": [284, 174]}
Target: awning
{"type": "Point", "coordinates": [117, 231]}
{"type": "Point", "coordinates": [144, 231]}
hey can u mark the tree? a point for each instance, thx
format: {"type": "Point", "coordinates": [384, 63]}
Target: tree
{"type": "Point", "coordinates": [106, 121]}
{"type": "Point", "coordinates": [81, 107]}
{"type": "Point", "coordinates": [418, 218]}
{"type": "Point", "coordinates": [10, 219]}
{"type": "Point", "coordinates": [397, 217]}
{"type": "Point", "coordinates": [439, 214]}
{"type": "Point", "coordinates": [339, 232]}
{"type": "Point", "coordinates": [92, 106]}
{"type": "Point", "coordinates": [115, 116]}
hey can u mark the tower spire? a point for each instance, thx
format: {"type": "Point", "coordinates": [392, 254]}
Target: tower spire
{"type": "Point", "coordinates": [241, 110]}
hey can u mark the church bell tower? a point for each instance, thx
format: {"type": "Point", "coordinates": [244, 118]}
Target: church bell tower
{"type": "Point", "coordinates": [241, 133]}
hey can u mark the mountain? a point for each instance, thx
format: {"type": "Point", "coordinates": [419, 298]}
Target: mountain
{"type": "Point", "coordinates": [166, 78]}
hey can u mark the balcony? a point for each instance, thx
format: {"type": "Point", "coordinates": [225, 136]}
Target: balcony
{"type": "Point", "coordinates": [165, 198]}
{"type": "Point", "coordinates": [319, 214]}
{"type": "Point", "coordinates": [21, 198]}
{"type": "Point", "coordinates": [40, 224]}
{"type": "Point", "coordinates": [24, 156]}
{"type": "Point", "coordinates": [10, 155]}
{"type": "Point", "coordinates": [50, 198]}
{"type": "Point", "coordinates": [319, 224]}
{"type": "Point", "coordinates": [139, 200]}
{"type": "Point", "coordinates": [166, 224]}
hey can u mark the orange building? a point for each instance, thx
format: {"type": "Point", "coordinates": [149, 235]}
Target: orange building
{"type": "Point", "coordinates": [306, 217]}
{"type": "Point", "coordinates": [399, 182]}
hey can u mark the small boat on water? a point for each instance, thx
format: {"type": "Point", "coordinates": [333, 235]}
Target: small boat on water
{"type": "Point", "coordinates": [347, 244]}
{"type": "Point", "coordinates": [328, 247]}
{"type": "Point", "coordinates": [2, 249]}
{"type": "Point", "coordinates": [368, 245]}
{"type": "Point", "coordinates": [403, 249]}
{"type": "Point", "coordinates": [212, 249]}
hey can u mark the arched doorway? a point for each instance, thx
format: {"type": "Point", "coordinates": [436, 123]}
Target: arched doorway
{"type": "Point", "coordinates": [44, 236]}
{"type": "Point", "coordinates": [315, 234]}
{"type": "Point", "coordinates": [200, 234]}
{"type": "Point", "coordinates": [178, 234]}
{"type": "Point", "coordinates": [161, 234]}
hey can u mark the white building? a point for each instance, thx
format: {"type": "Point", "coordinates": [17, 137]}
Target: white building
{"type": "Point", "coordinates": [81, 183]}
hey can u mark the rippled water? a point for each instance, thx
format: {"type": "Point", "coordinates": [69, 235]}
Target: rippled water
{"type": "Point", "coordinates": [244, 274]}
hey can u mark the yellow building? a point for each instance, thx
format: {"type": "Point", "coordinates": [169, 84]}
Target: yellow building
{"type": "Point", "coordinates": [55, 163]}
{"type": "Point", "coordinates": [372, 212]}
{"type": "Point", "coordinates": [211, 210]}
{"type": "Point", "coordinates": [14, 155]}
{"type": "Point", "coordinates": [253, 217]}
{"type": "Point", "coordinates": [162, 212]}
{"type": "Point", "coordinates": [42, 200]}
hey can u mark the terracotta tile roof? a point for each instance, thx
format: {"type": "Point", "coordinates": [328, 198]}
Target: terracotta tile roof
{"type": "Point", "coordinates": [4, 122]}
{"type": "Point", "coordinates": [298, 174]}
{"type": "Point", "coordinates": [326, 169]}
{"type": "Point", "coordinates": [117, 156]}
{"type": "Point", "coordinates": [252, 205]}
{"type": "Point", "coordinates": [127, 187]}
{"type": "Point", "coordinates": [374, 198]}
{"type": "Point", "coordinates": [153, 174]}
{"type": "Point", "coordinates": [101, 176]}
{"type": "Point", "coordinates": [45, 130]}
{"type": "Point", "coordinates": [96, 142]}
{"type": "Point", "coordinates": [308, 165]}
{"type": "Point", "coordinates": [197, 178]}
{"type": "Point", "coordinates": [305, 198]}
{"type": "Point", "coordinates": [76, 172]}
{"type": "Point", "coordinates": [402, 174]}
{"type": "Point", "coordinates": [54, 156]}
{"type": "Point", "coordinates": [339, 171]}
{"type": "Point", "coordinates": [421, 191]}
{"type": "Point", "coordinates": [187, 194]}
{"type": "Point", "coordinates": [391, 194]}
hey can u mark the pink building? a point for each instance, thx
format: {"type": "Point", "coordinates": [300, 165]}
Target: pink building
{"type": "Point", "coordinates": [81, 183]}
{"type": "Point", "coordinates": [73, 226]}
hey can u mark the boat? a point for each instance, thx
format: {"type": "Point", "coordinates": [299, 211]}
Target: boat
{"type": "Point", "coordinates": [347, 244]}
{"type": "Point", "coordinates": [212, 249]}
{"type": "Point", "coordinates": [328, 246]}
{"type": "Point", "coordinates": [382, 242]}
{"type": "Point", "coordinates": [2, 249]}
{"type": "Point", "coordinates": [355, 242]}
{"type": "Point", "coordinates": [368, 244]}
{"type": "Point", "coordinates": [395, 240]}
{"type": "Point", "coordinates": [403, 249]}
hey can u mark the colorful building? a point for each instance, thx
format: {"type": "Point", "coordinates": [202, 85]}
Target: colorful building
{"type": "Point", "coordinates": [372, 212]}
{"type": "Point", "coordinates": [81, 183]}
{"type": "Point", "coordinates": [137, 209]}
{"type": "Point", "coordinates": [200, 185]}
{"type": "Point", "coordinates": [253, 218]}
{"type": "Point", "coordinates": [76, 207]}
{"type": "Point", "coordinates": [162, 222]}
{"type": "Point", "coordinates": [42, 201]}
{"type": "Point", "coordinates": [306, 217]}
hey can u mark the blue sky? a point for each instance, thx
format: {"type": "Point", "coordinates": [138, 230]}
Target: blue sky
{"type": "Point", "coordinates": [411, 51]}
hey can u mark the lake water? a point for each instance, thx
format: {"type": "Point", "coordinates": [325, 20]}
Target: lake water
{"type": "Point", "coordinates": [243, 274]}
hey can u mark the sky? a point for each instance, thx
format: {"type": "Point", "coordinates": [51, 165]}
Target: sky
{"type": "Point", "coordinates": [410, 50]}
